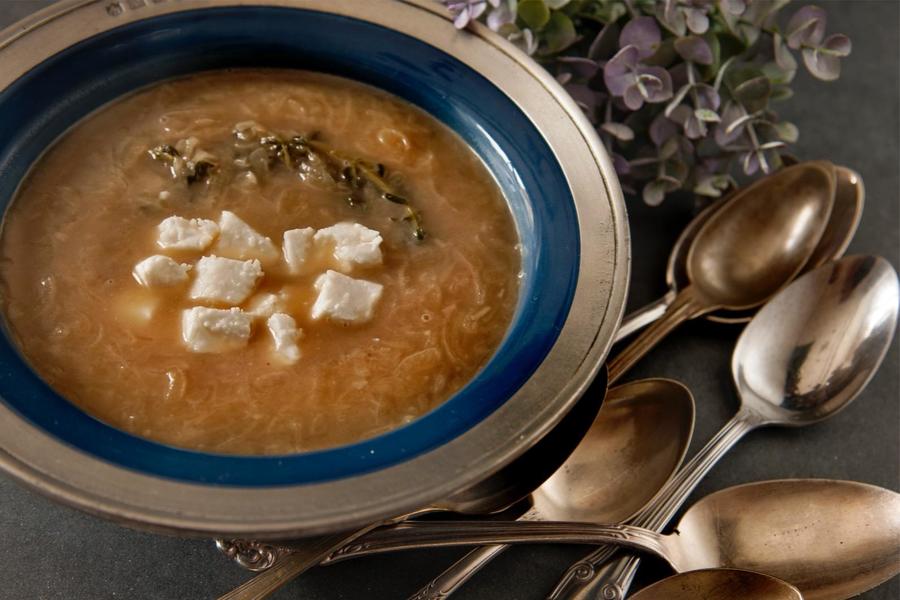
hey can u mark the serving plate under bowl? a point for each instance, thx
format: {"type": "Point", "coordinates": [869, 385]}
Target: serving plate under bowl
{"type": "Point", "coordinates": [67, 61]}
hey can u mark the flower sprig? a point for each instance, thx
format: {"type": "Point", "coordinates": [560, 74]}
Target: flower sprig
{"type": "Point", "coordinates": [679, 90]}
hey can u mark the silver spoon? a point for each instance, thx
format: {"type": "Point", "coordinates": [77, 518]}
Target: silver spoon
{"type": "Point", "coordinates": [849, 198]}
{"type": "Point", "coordinates": [501, 490]}
{"type": "Point", "coordinates": [636, 443]}
{"type": "Point", "coordinates": [748, 250]}
{"type": "Point", "coordinates": [804, 357]}
{"type": "Point", "coordinates": [719, 584]}
{"type": "Point", "coordinates": [831, 539]}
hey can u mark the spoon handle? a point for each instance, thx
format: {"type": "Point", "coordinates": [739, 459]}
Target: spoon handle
{"type": "Point", "coordinates": [287, 568]}
{"type": "Point", "coordinates": [685, 306]}
{"type": "Point", "coordinates": [458, 573]}
{"type": "Point", "coordinates": [412, 535]}
{"type": "Point", "coordinates": [585, 580]}
{"type": "Point", "coordinates": [453, 578]}
{"type": "Point", "coordinates": [637, 320]}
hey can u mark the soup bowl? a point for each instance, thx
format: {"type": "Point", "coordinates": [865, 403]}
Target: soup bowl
{"type": "Point", "coordinates": [76, 56]}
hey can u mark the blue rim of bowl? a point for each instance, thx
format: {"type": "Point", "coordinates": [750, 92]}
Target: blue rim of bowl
{"type": "Point", "coordinates": [107, 66]}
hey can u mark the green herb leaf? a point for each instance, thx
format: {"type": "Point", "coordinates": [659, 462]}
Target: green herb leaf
{"type": "Point", "coordinates": [534, 13]}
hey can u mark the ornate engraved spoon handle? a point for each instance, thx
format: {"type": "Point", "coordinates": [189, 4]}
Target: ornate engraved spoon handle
{"type": "Point", "coordinates": [431, 534]}
{"type": "Point", "coordinates": [586, 580]}
{"type": "Point", "coordinates": [287, 568]}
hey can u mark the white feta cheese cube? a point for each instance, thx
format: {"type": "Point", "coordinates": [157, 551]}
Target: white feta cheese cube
{"type": "Point", "coordinates": [158, 270]}
{"type": "Point", "coordinates": [265, 305]}
{"type": "Point", "coordinates": [239, 240]}
{"type": "Point", "coordinates": [296, 247]}
{"type": "Point", "coordinates": [345, 299]}
{"type": "Point", "coordinates": [224, 280]}
{"type": "Point", "coordinates": [178, 233]}
{"type": "Point", "coordinates": [210, 330]}
{"type": "Point", "coordinates": [353, 244]}
{"type": "Point", "coordinates": [285, 335]}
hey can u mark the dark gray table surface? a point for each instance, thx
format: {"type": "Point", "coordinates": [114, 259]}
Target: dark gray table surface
{"type": "Point", "coordinates": [52, 552]}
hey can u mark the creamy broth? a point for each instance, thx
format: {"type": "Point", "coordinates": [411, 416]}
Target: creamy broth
{"type": "Point", "coordinates": [89, 213]}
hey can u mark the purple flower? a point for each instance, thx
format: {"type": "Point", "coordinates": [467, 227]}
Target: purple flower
{"type": "Point", "coordinates": [464, 11]}
{"type": "Point", "coordinates": [635, 83]}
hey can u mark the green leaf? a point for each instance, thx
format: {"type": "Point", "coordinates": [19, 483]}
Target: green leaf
{"type": "Point", "coordinates": [754, 93]}
{"type": "Point", "coordinates": [559, 33]}
{"type": "Point", "coordinates": [669, 149]}
{"type": "Point", "coordinates": [778, 75]}
{"type": "Point", "coordinates": [709, 72]}
{"type": "Point", "coordinates": [605, 12]}
{"type": "Point", "coordinates": [619, 131]}
{"type": "Point", "coordinates": [534, 13]}
{"type": "Point", "coordinates": [786, 132]}
{"type": "Point", "coordinates": [556, 4]}
{"type": "Point", "coordinates": [713, 185]}
{"type": "Point", "coordinates": [706, 115]}
{"type": "Point", "coordinates": [654, 192]}
{"type": "Point", "coordinates": [781, 92]}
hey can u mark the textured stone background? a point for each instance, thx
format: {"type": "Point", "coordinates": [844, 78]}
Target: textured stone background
{"type": "Point", "coordinates": [51, 552]}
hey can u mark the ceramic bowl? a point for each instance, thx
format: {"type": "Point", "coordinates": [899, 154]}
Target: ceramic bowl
{"type": "Point", "coordinates": [65, 62]}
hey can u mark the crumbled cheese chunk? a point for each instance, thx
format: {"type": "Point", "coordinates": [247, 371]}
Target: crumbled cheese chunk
{"type": "Point", "coordinates": [296, 246]}
{"type": "Point", "coordinates": [354, 244]}
{"type": "Point", "coordinates": [265, 305]}
{"type": "Point", "coordinates": [215, 330]}
{"type": "Point", "coordinates": [285, 334]}
{"type": "Point", "coordinates": [158, 270]}
{"type": "Point", "coordinates": [344, 298]}
{"type": "Point", "coordinates": [178, 233]}
{"type": "Point", "coordinates": [225, 280]}
{"type": "Point", "coordinates": [239, 240]}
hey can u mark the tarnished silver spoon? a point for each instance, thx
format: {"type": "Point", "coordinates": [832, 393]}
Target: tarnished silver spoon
{"type": "Point", "coordinates": [636, 443]}
{"type": "Point", "coordinates": [748, 250]}
{"type": "Point", "coordinates": [849, 198]}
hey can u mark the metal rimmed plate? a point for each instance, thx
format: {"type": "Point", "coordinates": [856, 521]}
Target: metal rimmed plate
{"type": "Point", "coordinates": [72, 58]}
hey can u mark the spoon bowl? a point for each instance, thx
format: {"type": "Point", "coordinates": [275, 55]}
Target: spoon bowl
{"type": "Point", "coordinates": [831, 539]}
{"type": "Point", "coordinates": [719, 584]}
{"type": "Point", "coordinates": [636, 443]}
{"type": "Point", "coordinates": [762, 237]}
{"type": "Point", "coordinates": [816, 345]}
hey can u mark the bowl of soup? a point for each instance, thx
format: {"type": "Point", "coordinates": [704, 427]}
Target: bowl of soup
{"type": "Point", "coordinates": [282, 267]}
